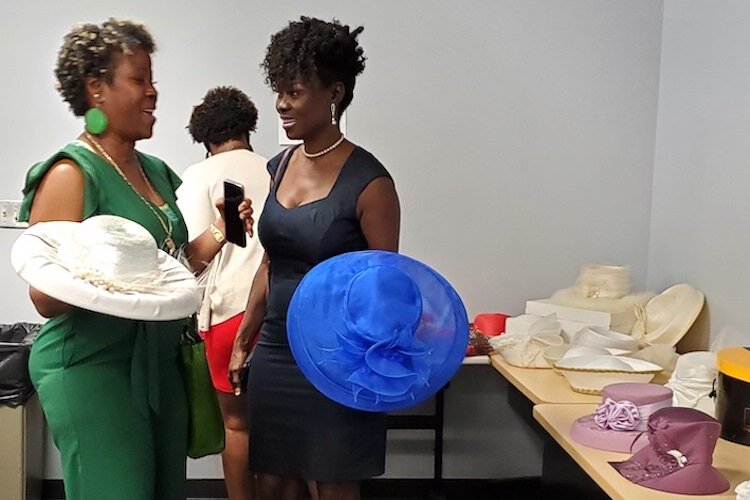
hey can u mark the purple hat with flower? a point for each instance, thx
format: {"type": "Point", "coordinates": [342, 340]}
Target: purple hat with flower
{"type": "Point", "coordinates": [376, 330]}
{"type": "Point", "coordinates": [619, 422]}
{"type": "Point", "coordinates": [679, 454]}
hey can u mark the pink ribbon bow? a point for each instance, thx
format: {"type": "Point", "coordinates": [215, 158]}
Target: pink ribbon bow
{"type": "Point", "coordinates": [617, 415]}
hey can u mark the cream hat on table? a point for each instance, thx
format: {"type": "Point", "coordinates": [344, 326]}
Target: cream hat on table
{"type": "Point", "coordinates": [603, 281]}
{"type": "Point", "coordinates": [693, 381]}
{"type": "Point", "coordinates": [106, 264]}
{"type": "Point", "coordinates": [589, 374]}
{"type": "Point", "coordinates": [526, 339]}
{"type": "Point", "coordinates": [615, 342]}
{"type": "Point", "coordinates": [667, 317]}
{"type": "Point", "coordinates": [604, 288]}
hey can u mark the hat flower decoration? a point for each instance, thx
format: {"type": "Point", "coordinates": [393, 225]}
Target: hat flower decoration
{"type": "Point", "coordinates": [617, 415]}
{"type": "Point", "coordinates": [376, 330]}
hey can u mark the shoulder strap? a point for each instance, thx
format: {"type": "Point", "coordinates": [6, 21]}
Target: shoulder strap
{"type": "Point", "coordinates": [282, 164]}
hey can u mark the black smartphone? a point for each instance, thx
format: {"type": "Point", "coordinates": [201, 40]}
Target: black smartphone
{"type": "Point", "coordinates": [245, 371]}
{"type": "Point", "coordinates": [234, 193]}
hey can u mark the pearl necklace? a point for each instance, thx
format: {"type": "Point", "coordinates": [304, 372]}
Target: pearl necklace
{"type": "Point", "coordinates": [326, 150]}
{"type": "Point", "coordinates": [168, 241]}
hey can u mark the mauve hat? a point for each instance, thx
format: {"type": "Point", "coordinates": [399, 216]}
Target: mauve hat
{"type": "Point", "coordinates": [377, 331]}
{"type": "Point", "coordinates": [619, 422]}
{"type": "Point", "coordinates": [679, 454]}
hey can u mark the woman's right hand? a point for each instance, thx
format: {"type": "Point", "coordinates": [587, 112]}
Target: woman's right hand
{"type": "Point", "coordinates": [249, 328]}
{"type": "Point", "coordinates": [240, 352]}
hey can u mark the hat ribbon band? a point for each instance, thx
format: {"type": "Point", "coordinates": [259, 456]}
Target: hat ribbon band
{"type": "Point", "coordinates": [624, 415]}
{"type": "Point", "coordinates": [96, 279]}
{"type": "Point", "coordinates": [690, 391]}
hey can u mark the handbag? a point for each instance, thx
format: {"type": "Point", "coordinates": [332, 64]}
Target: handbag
{"type": "Point", "coordinates": [205, 425]}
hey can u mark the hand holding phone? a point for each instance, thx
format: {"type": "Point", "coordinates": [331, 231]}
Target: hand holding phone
{"type": "Point", "coordinates": [243, 374]}
{"type": "Point", "coordinates": [234, 194]}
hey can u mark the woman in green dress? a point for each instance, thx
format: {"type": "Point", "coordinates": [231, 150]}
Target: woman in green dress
{"type": "Point", "coordinates": [111, 388]}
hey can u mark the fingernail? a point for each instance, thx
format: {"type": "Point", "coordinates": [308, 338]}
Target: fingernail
{"type": "Point", "coordinates": [236, 391]}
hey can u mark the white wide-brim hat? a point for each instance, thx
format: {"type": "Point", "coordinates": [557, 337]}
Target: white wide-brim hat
{"type": "Point", "coordinates": [590, 374]}
{"type": "Point", "coordinates": [106, 264]}
{"type": "Point", "coordinates": [667, 317]}
{"type": "Point", "coordinates": [616, 342]}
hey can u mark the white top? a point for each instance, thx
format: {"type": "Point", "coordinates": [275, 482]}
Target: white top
{"type": "Point", "coordinates": [228, 277]}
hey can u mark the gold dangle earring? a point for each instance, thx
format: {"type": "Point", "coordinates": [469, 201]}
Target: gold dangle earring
{"type": "Point", "coordinates": [333, 113]}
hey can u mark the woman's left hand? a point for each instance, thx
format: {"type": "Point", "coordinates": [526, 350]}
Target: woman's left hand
{"type": "Point", "coordinates": [245, 210]}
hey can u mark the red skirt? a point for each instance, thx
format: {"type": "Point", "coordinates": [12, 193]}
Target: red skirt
{"type": "Point", "coordinates": [219, 340]}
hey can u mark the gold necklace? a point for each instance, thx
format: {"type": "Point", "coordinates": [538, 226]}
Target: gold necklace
{"type": "Point", "coordinates": [326, 150]}
{"type": "Point", "coordinates": [209, 154]}
{"type": "Point", "coordinates": [234, 147]}
{"type": "Point", "coordinates": [168, 241]}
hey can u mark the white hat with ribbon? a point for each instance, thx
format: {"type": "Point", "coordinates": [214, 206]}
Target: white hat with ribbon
{"type": "Point", "coordinates": [106, 264]}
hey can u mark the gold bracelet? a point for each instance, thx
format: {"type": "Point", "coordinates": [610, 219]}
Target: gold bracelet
{"type": "Point", "coordinates": [218, 235]}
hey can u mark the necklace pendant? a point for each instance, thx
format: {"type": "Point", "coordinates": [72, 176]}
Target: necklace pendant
{"type": "Point", "coordinates": [169, 242]}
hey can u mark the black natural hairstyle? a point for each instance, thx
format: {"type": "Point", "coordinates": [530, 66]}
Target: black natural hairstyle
{"type": "Point", "coordinates": [311, 48]}
{"type": "Point", "coordinates": [225, 113]}
{"type": "Point", "coordinates": [90, 50]}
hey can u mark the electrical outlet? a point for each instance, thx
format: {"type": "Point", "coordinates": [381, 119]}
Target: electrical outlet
{"type": "Point", "coordinates": [9, 214]}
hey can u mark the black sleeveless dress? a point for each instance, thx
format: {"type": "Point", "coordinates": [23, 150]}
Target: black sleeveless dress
{"type": "Point", "coordinates": [294, 429]}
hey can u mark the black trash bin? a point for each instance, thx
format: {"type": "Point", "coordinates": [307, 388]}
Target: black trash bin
{"type": "Point", "coordinates": [15, 347]}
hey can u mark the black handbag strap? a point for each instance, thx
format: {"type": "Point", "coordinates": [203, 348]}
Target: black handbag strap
{"type": "Point", "coordinates": [190, 334]}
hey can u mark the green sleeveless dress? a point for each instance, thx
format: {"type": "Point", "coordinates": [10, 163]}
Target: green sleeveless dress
{"type": "Point", "coordinates": [111, 388]}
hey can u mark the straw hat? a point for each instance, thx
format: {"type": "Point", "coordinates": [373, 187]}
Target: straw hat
{"type": "Point", "coordinates": [106, 264]}
{"type": "Point", "coordinates": [667, 317]}
{"type": "Point", "coordinates": [590, 374]}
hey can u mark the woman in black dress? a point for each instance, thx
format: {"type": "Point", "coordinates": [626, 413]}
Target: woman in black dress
{"type": "Point", "coordinates": [327, 197]}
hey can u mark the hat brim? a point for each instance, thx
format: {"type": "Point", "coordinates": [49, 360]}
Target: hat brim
{"type": "Point", "coordinates": [316, 328]}
{"type": "Point", "coordinates": [697, 479]}
{"type": "Point", "coordinates": [586, 432]}
{"type": "Point", "coordinates": [674, 310]}
{"type": "Point", "coordinates": [33, 256]}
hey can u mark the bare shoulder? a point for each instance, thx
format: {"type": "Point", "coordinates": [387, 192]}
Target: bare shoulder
{"type": "Point", "coordinates": [60, 194]}
{"type": "Point", "coordinates": [379, 190]}
{"type": "Point", "coordinates": [380, 214]}
{"type": "Point", "coordinates": [64, 170]}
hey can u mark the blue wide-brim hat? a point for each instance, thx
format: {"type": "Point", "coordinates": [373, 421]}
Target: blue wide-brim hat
{"type": "Point", "coordinates": [377, 331]}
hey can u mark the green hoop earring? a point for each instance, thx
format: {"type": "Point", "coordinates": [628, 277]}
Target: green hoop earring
{"type": "Point", "coordinates": [96, 121]}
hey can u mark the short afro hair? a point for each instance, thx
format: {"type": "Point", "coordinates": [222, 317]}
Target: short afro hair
{"type": "Point", "coordinates": [89, 50]}
{"type": "Point", "coordinates": [311, 47]}
{"type": "Point", "coordinates": [225, 113]}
